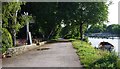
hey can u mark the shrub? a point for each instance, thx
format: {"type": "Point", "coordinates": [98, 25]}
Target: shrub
{"type": "Point", "coordinates": [118, 63]}
{"type": "Point", "coordinates": [86, 39]}
{"type": "Point", "coordinates": [6, 40]}
{"type": "Point", "coordinates": [106, 61]}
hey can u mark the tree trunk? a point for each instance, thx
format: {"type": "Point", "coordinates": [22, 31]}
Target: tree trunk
{"type": "Point", "coordinates": [14, 31]}
{"type": "Point", "coordinates": [50, 34]}
{"type": "Point", "coordinates": [81, 31]}
{"type": "Point", "coordinates": [14, 38]}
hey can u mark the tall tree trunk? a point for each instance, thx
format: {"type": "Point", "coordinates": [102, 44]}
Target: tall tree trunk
{"type": "Point", "coordinates": [43, 36]}
{"type": "Point", "coordinates": [14, 38]}
{"type": "Point", "coordinates": [14, 31]}
{"type": "Point", "coordinates": [81, 31]}
{"type": "Point", "coordinates": [50, 34]}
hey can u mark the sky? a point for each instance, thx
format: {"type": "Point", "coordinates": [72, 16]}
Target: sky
{"type": "Point", "coordinates": [113, 12]}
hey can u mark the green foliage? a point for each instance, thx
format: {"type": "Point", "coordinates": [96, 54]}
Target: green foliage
{"type": "Point", "coordinates": [76, 16]}
{"type": "Point", "coordinates": [106, 61]}
{"type": "Point", "coordinates": [114, 29]}
{"type": "Point", "coordinates": [80, 15]}
{"type": "Point", "coordinates": [92, 58]}
{"type": "Point", "coordinates": [47, 23]}
{"type": "Point", "coordinates": [6, 40]}
{"type": "Point", "coordinates": [118, 63]}
{"type": "Point", "coordinates": [102, 28]}
{"type": "Point", "coordinates": [97, 28]}
{"type": "Point", "coordinates": [12, 19]}
{"type": "Point", "coordinates": [70, 31]}
{"type": "Point", "coordinates": [85, 39]}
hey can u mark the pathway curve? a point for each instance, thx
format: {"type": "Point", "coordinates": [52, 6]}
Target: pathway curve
{"type": "Point", "coordinates": [58, 55]}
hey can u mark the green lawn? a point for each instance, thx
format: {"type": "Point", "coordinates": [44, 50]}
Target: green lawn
{"type": "Point", "coordinates": [91, 57]}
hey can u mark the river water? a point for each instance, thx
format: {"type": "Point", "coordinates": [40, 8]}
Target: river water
{"type": "Point", "coordinates": [114, 41]}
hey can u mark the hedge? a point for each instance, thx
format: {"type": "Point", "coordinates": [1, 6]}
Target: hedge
{"type": "Point", "coordinates": [6, 40]}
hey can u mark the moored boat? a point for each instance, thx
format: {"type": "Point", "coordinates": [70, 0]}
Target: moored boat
{"type": "Point", "coordinates": [106, 46]}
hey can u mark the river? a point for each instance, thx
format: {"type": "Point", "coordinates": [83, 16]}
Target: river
{"type": "Point", "coordinates": [114, 41]}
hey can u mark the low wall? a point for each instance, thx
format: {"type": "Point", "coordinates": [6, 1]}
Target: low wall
{"type": "Point", "coordinates": [19, 50]}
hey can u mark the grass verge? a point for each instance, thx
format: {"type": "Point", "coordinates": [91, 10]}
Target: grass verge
{"type": "Point", "coordinates": [92, 58]}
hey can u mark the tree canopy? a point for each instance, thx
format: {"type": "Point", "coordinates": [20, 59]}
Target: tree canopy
{"type": "Point", "coordinates": [75, 16]}
{"type": "Point", "coordinates": [97, 28]}
{"type": "Point", "coordinates": [114, 29]}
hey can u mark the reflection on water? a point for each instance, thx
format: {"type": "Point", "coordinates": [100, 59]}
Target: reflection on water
{"type": "Point", "coordinates": [95, 42]}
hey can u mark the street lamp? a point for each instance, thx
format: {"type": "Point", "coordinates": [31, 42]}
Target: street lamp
{"type": "Point", "coordinates": [29, 39]}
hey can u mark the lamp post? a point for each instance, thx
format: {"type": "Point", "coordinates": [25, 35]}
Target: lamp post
{"type": "Point", "coordinates": [29, 39]}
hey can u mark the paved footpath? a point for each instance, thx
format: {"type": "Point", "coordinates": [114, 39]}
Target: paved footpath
{"type": "Point", "coordinates": [58, 55]}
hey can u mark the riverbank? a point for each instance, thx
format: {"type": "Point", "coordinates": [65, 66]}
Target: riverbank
{"type": "Point", "coordinates": [91, 57]}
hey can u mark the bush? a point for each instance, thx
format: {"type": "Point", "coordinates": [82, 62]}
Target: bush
{"type": "Point", "coordinates": [86, 39]}
{"type": "Point", "coordinates": [106, 61]}
{"type": "Point", "coordinates": [118, 63]}
{"type": "Point", "coordinates": [6, 40]}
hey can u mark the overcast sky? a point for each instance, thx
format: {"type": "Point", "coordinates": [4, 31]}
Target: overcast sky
{"type": "Point", "coordinates": [113, 12]}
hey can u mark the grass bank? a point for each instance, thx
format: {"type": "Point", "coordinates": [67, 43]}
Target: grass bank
{"type": "Point", "coordinates": [91, 57]}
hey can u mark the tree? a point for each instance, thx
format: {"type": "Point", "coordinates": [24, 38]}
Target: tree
{"type": "Point", "coordinates": [82, 14]}
{"type": "Point", "coordinates": [49, 16]}
{"type": "Point", "coordinates": [46, 18]}
{"type": "Point", "coordinates": [97, 28]}
{"type": "Point", "coordinates": [93, 13]}
{"type": "Point", "coordinates": [113, 29]}
{"type": "Point", "coordinates": [12, 18]}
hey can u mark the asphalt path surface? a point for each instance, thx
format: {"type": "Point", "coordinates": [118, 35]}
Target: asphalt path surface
{"type": "Point", "coordinates": [61, 54]}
